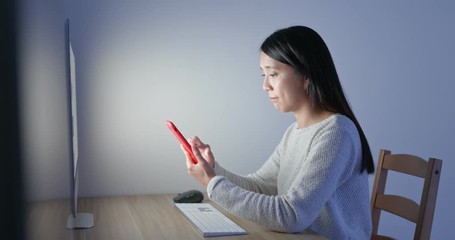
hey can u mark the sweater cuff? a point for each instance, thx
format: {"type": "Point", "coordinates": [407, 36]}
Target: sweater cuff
{"type": "Point", "coordinates": [212, 184]}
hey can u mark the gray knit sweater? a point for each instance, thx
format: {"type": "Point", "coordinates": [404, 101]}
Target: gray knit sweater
{"type": "Point", "coordinates": [312, 181]}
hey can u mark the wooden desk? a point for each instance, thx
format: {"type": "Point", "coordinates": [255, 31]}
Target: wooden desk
{"type": "Point", "coordinates": [130, 218]}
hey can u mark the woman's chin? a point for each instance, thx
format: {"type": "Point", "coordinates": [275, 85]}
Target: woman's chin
{"type": "Point", "coordinates": [281, 109]}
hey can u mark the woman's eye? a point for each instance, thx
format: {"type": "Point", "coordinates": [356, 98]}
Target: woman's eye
{"type": "Point", "coordinates": [269, 75]}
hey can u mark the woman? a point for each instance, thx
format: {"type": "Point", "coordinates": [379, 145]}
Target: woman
{"type": "Point", "coordinates": [317, 177]}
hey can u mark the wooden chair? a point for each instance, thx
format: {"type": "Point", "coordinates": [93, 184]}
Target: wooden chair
{"type": "Point", "coordinates": [421, 214]}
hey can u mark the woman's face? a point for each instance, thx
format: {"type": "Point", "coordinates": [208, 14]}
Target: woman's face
{"type": "Point", "coordinates": [285, 87]}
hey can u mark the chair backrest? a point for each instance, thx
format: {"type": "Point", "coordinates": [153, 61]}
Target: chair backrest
{"type": "Point", "coordinates": [422, 213]}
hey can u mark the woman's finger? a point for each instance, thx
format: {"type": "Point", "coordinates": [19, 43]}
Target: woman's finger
{"type": "Point", "coordinates": [189, 161]}
{"type": "Point", "coordinates": [197, 142]}
{"type": "Point", "coordinates": [197, 153]}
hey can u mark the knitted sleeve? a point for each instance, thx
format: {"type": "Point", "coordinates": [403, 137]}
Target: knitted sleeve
{"type": "Point", "coordinates": [259, 183]}
{"type": "Point", "coordinates": [328, 162]}
{"type": "Point", "coordinates": [264, 180]}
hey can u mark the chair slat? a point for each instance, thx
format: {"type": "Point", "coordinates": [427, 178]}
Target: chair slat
{"type": "Point", "coordinates": [400, 206]}
{"type": "Point", "coordinates": [381, 237]}
{"type": "Point", "coordinates": [406, 163]}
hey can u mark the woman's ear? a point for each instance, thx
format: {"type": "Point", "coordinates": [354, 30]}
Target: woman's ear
{"type": "Point", "coordinates": [306, 83]}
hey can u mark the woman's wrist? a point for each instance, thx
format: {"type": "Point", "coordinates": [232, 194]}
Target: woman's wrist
{"type": "Point", "coordinates": [206, 183]}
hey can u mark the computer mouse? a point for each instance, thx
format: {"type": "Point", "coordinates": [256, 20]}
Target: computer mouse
{"type": "Point", "coordinates": [191, 196]}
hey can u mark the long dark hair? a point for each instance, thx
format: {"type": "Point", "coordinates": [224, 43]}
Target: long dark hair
{"type": "Point", "coordinates": [306, 52]}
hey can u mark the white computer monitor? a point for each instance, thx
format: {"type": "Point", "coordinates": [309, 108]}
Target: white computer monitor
{"type": "Point", "coordinates": [75, 220]}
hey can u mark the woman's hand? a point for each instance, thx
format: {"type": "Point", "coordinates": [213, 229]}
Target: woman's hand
{"type": "Point", "coordinates": [203, 171]}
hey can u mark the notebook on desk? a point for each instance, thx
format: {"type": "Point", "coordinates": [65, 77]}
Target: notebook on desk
{"type": "Point", "coordinates": [208, 220]}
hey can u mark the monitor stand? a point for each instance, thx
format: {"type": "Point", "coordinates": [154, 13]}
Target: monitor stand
{"type": "Point", "coordinates": [82, 220]}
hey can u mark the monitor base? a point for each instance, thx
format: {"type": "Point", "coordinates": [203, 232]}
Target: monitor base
{"type": "Point", "coordinates": [82, 220]}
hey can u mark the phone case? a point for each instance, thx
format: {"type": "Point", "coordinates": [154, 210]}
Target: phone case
{"type": "Point", "coordinates": [182, 140]}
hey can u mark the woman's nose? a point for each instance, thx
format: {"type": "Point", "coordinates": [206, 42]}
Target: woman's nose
{"type": "Point", "coordinates": [265, 85]}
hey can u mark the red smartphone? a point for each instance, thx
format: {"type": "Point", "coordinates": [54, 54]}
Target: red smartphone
{"type": "Point", "coordinates": [182, 140]}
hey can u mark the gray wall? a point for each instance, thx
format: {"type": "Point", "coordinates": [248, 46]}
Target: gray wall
{"type": "Point", "coordinates": [140, 63]}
